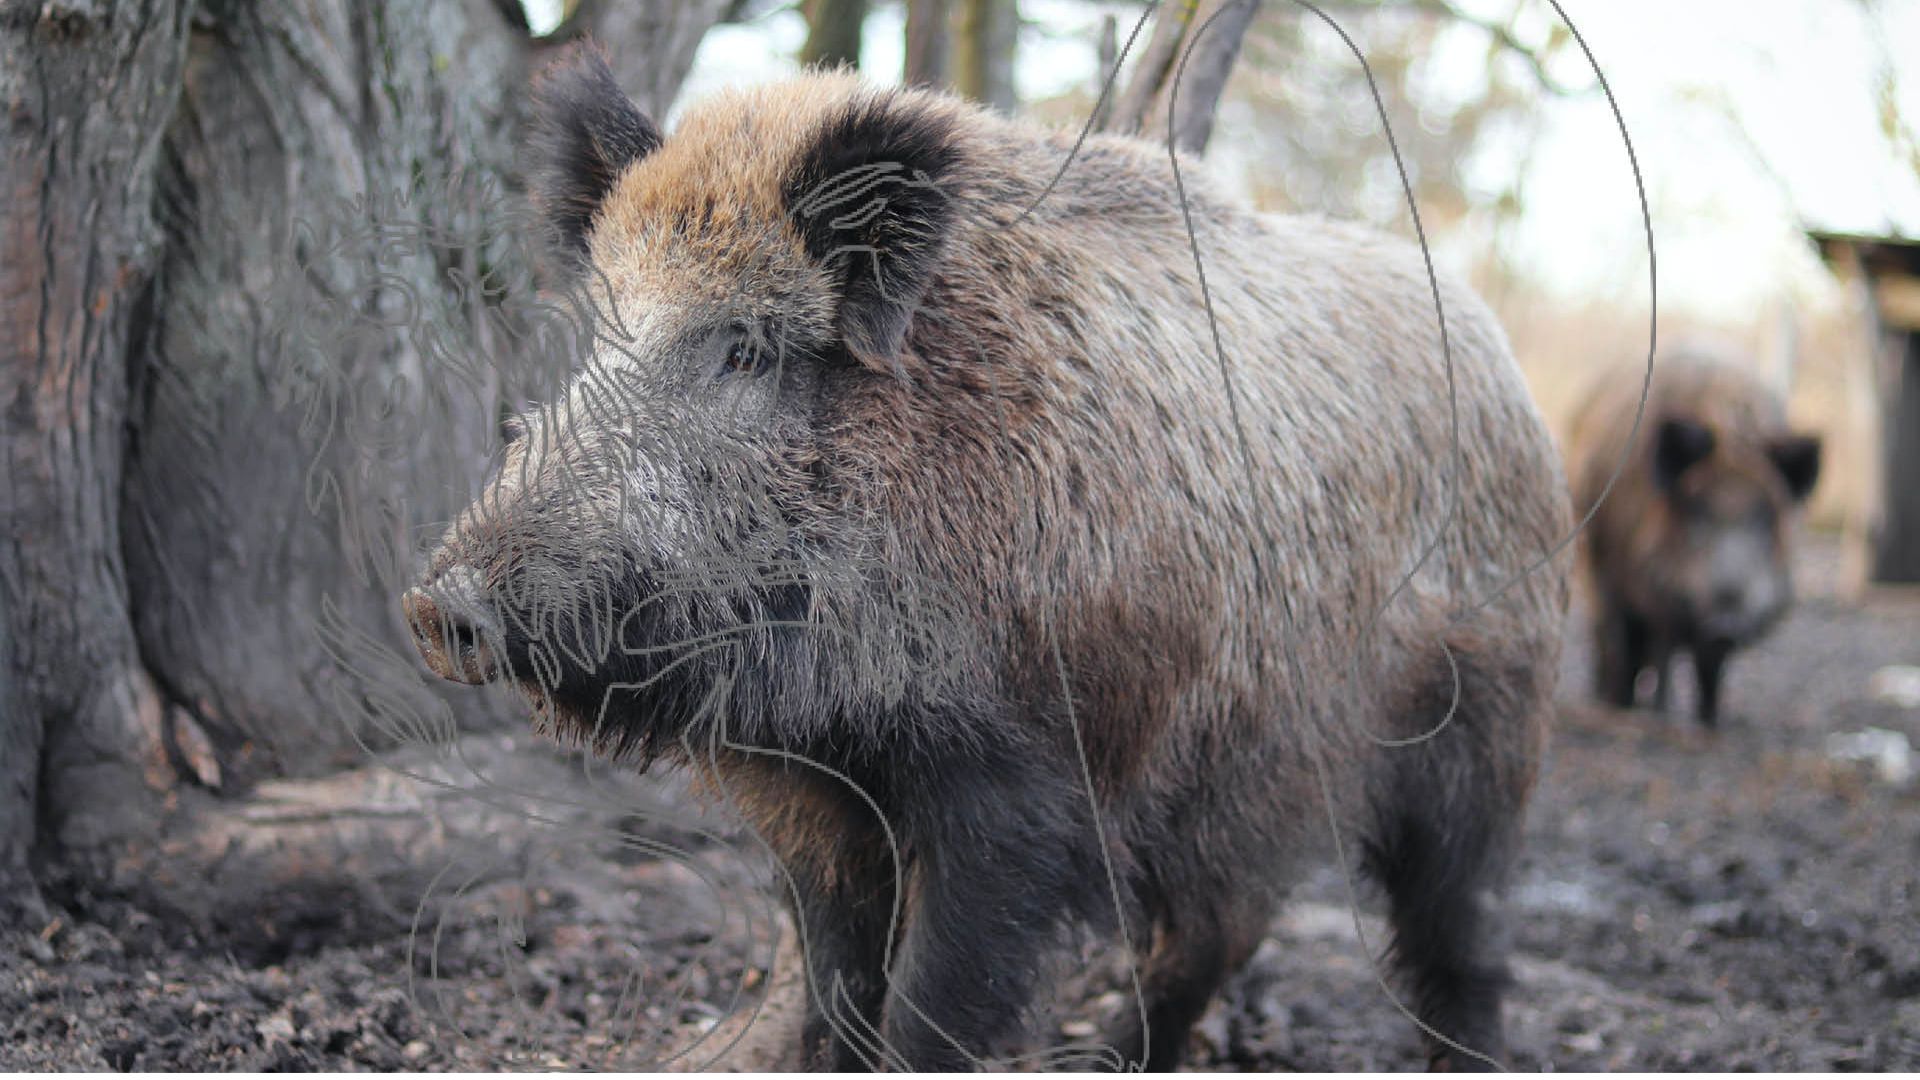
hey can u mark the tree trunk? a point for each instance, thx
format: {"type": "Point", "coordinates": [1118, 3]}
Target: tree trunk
{"type": "Point", "coordinates": [270, 494]}
{"type": "Point", "coordinates": [652, 43]}
{"type": "Point", "coordinates": [266, 292]}
{"type": "Point", "coordinates": [1896, 554]}
{"type": "Point", "coordinates": [1109, 56]}
{"type": "Point", "coordinates": [88, 90]}
{"type": "Point", "coordinates": [1192, 94]}
{"type": "Point", "coordinates": [929, 43]}
{"type": "Point", "coordinates": [833, 32]}
{"type": "Point", "coordinates": [1195, 47]}
{"type": "Point", "coordinates": [1151, 67]}
{"type": "Point", "coordinates": [989, 36]}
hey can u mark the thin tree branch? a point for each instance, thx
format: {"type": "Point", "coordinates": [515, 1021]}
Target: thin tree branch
{"type": "Point", "coordinates": [1129, 112]}
{"type": "Point", "coordinates": [1202, 74]}
{"type": "Point", "coordinates": [1502, 36]}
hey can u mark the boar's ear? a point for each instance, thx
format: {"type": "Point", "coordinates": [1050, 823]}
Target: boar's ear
{"type": "Point", "coordinates": [586, 132]}
{"type": "Point", "coordinates": [1678, 444]}
{"type": "Point", "coordinates": [866, 197]}
{"type": "Point", "coordinates": [1798, 459]}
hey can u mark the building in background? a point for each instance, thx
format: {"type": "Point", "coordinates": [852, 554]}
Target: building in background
{"type": "Point", "coordinates": [1884, 272]}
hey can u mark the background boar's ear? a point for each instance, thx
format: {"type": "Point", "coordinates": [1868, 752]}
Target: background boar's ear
{"type": "Point", "coordinates": [1798, 459]}
{"type": "Point", "coordinates": [1679, 443]}
{"type": "Point", "coordinates": [586, 132]}
{"type": "Point", "coordinates": [867, 198]}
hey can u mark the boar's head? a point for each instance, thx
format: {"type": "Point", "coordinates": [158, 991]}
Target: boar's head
{"type": "Point", "coordinates": [682, 535]}
{"type": "Point", "coordinates": [1729, 497]}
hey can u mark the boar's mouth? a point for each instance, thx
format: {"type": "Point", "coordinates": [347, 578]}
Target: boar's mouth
{"type": "Point", "coordinates": [652, 647]}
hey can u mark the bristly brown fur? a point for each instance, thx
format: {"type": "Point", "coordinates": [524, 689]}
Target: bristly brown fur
{"type": "Point", "coordinates": [968, 497]}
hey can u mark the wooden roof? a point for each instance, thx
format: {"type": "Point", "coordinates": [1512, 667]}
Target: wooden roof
{"type": "Point", "coordinates": [1879, 256]}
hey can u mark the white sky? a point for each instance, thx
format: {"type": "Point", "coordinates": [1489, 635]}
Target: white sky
{"type": "Point", "coordinates": [1798, 75]}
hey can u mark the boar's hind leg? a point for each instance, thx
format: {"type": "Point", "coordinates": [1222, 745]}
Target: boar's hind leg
{"type": "Point", "coordinates": [1195, 949]}
{"type": "Point", "coordinates": [1446, 827]}
{"type": "Point", "coordinates": [1001, 866]}
{"type": "Point", "coordinates": [1661, 650]}
{"type": "Point", "coordinates": [1440, 880]}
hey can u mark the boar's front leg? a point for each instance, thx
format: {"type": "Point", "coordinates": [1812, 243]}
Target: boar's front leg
{"type": "Point", "coordinates": [1709, 663]}
{"type": "Point", "coordinates": [1201, 937]}
{"type": "Point", "coordinates": [1620, 653]}
{"type": "Point", "coordinates": [1660, 656]}
{"type": "Point", "coordinates": [840, 870]}
{"type": "Point", "coordinates": [1000, 865]}
{"type": "Point", "coordinates": [844, 916]}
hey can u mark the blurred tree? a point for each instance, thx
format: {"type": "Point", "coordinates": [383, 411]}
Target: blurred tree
{"type": "Point", "coordinates": [968, 46]}
{"type": "Point", "coordinates": [1178, 80]}
{"type": "Point", "coordinates": [985, 48]}
{"type": "Point", "coordinates": [1107, 50]}
{"type": "Point", "coordinates": [929, 43]}
{"type": "Point", "coordinates": [1310, 112]}
{"type": "Point", "coordinates": [1896, 555]}
{"type": "Point", "coordinates": [234, 234]}
{"type": "Point", "coordinates": [1317, 142]}
{"type": "Point", "coordinates": [833, 32]}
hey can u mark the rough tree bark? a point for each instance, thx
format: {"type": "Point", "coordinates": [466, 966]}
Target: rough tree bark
{"type": "Point", "coordinates": [266, 497]}
{"type": "Point", "coordinates": [76, 182]}
{"type": "Point", "coordinates": [833, 32]}
{"type": "Point", "coordinates": [1145, 107]}
{"type": "Point", "coordinates": [262, 267]}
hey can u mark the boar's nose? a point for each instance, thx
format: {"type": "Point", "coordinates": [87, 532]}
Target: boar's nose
{"type": "Point", "coordinates": [1729, 597]}
{"type": "Point", "coordinates": [451, 629]}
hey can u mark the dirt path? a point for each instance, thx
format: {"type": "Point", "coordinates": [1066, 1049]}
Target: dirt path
{"type": "Point", "coordinates": [1736, 902]}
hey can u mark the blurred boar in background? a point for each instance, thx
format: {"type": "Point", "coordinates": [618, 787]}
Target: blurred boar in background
{"type": "Point", "coordinates": [1691, 549]}
{"type": "Point", "coordinates": [926, 532]}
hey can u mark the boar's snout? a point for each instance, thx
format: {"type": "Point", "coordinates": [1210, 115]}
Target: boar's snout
{"type": "Point", "coordinates": [451, 627]}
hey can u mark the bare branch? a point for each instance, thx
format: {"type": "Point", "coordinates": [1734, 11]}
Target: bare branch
{"type": "Point", "coordinates": [1199, 78]}
{"type": "Point", "coordinates": [1207, 59]}
{"type": "Point", "coordinates": [1502, 36]}
{"type": "Point", "coordinates": [1129, 113]}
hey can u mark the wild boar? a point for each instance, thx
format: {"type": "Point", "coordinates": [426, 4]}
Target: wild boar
{"type": "Point", "coordinates": [914, 497]}
{"type": "Point", "coordinates": [1691, 550]}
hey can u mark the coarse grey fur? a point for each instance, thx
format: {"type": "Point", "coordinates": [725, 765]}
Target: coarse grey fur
{"type": "Point", "coordinates": [949, 500]}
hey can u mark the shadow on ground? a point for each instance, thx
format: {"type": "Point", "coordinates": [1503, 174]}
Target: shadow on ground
{"type": "Point", "coordinates": [1685, 902]}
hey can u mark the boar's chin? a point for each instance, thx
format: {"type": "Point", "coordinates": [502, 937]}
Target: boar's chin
{"type": "Point", "coordinates": [601, 715]}
{"type": "Point", "coordinates": [598, 731]}
{"type": "Point", "coordinates": [667, 669]}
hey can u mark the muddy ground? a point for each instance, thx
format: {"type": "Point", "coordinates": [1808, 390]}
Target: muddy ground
{"type": "Point", "coordinates": [1685, 902]}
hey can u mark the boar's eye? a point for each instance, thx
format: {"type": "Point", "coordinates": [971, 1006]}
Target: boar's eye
{"type": "Point", "coordinates": [512, 429]}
